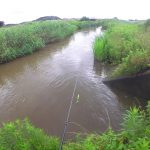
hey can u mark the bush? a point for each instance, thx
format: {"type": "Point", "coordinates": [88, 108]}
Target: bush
{"type": "Point", "coordinates": [84, 18]}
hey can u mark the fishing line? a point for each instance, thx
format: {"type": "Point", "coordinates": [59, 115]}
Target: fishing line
{"type": "Point", "coordinates": [68, 116]}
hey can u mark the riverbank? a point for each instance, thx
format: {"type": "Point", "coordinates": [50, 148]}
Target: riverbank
{"type": "Point", "coordinates": [125, 44]}
{"type": "Point", "coordinates": [20, 40]}
{"type": "Point", "coordinates": [135, 134]}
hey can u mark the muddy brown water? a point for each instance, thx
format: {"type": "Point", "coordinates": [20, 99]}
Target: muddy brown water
{"type": "Point", "coordinates": [40, 87]}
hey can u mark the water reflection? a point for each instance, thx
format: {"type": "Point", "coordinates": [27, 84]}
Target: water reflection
{"type": "Point", "coordinates": [17, 67]}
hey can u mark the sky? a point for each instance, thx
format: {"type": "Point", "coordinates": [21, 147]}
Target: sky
{"type": "Point", "coordinates": [16, 11]}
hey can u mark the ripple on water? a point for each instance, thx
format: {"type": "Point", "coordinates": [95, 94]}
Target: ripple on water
{"type": "Point", "coordinates": [40, 87]}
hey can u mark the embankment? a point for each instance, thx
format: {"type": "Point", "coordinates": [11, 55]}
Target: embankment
{"type": "Point", "coordinates": [125, 44]}
{"type": "Point", "coordinates": [20, 40]}
{"type": "Point", "coordinates": [135, 86]}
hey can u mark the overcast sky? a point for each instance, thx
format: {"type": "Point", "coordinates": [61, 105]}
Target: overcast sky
{"type": "Point", "coordinates": [15, 11]}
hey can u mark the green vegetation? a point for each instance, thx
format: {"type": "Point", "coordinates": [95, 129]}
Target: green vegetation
{"type": "Point", "coordinates": [84, 18]}
{"type": "Point", "coordinates": [126, 44]}
{"type": "Point", "coordinates": [134, 135]}
{"type": "Point", "coordinates": [21, 135]}
{"type": "Point", "coordinates": [23, 39]}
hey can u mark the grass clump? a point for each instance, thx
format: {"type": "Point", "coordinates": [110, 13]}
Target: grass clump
{"type": "Point", "coordinates": [126, 44]}
{"type": "Point", "coordinates": [101, 54]}
{"type": "Point", "coordinates": [136, 62]}
{"type": "Point", "coordinates": [135, 134]}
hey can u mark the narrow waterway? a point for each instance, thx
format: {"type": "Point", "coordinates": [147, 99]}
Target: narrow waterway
{"type": "Point", "coordinates": [40, 87]}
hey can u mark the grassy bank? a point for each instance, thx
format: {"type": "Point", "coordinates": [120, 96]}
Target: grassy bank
{"type": "Point", "coordinates": [125, 44]}
{"type": "Point", "coordinates": [134, 135]}
{"type": "Point", "coordinates": [23, 39]}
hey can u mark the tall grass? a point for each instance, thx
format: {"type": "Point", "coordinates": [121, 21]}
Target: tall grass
{"type": "Point", "coordinates": [99, 49]}
{"type": "Point", "coordinates": [135, 134]}
{"type": "Point", "coordinates": [88, 24]}
{"type": "Point", "coordinates": [20, 40]}
{"type": "Point", "coordinates": [21, 135]}
{"type": "Point", "coordinates": [136, 62]}
{"type": "Point", "coordinates": [123, 43]}
{"type": "Point", "coordinates": [23, 39]}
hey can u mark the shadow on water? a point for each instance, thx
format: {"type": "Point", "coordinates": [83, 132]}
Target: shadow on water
{"type": "Point", "coordinates": [130, 91]}
{"type": "Point", "coordinates": [135, 87]}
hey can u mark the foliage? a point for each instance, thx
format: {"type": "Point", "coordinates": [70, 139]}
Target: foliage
{"type": "Point", "coordinates": [136, 62]}
{"type": "Point", "coordinates": [135, 134]}
{"type": "Point", "coordinates": [23, 39]}
{"type": "Point", "coordinates": [84, 18]}
{"type": "Point", "coordinates": [88, 24]}
{"type": "Point", "coordinates": [126, 44]}
{"type": "Point", "coordinates": [21, 135]}
{"type": "Point", "coordinates": [99, 49]}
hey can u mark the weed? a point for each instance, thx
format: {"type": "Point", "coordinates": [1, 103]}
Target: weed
{"type": "Point", "coordinates": [126, 44]}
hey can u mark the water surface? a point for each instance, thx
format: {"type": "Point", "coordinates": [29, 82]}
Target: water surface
{"type": "Point", "coordinates": [40, 87]}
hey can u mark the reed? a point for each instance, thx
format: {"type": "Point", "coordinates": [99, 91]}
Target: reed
{"type": "Point", "coordinates": [125, 44]}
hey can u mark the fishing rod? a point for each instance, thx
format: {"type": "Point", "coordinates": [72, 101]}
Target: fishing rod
{"type": "Point", "coordinates": [68, 116]}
